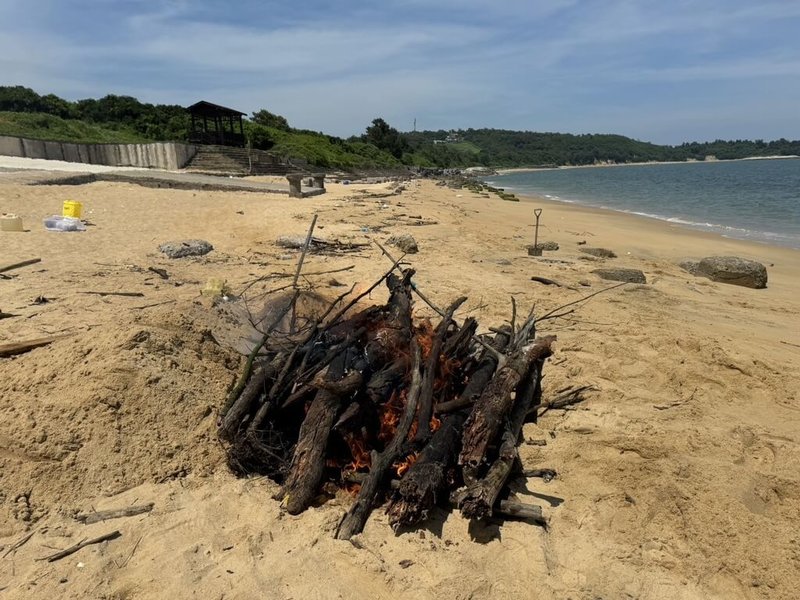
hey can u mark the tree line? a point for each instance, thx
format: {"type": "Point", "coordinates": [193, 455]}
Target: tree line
{"type": "Point", "coordinates": [383, 145]}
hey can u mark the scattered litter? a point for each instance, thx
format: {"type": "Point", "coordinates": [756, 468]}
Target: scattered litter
{"type": "Point", "coordinates": [60, 223]}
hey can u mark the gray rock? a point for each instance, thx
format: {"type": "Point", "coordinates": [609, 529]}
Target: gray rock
{"type": "Point", "coordinates": [626, 275]}
{"type": "Point", "coordinates": [405, 242]}
{"type": "Point", "coordinates": [549, 246]}
{"type": "Point", "coordinates": [734, 270]}
{"type": "Point", "coordinates": [599, 252]}
{"type": "Point", "coordinates": [691, 266]}
{"type": "Point", "coordinates": [186, 248]}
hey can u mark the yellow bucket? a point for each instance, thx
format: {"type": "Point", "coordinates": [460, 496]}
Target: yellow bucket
{"type": "Point", "coordinates": [72, 209]}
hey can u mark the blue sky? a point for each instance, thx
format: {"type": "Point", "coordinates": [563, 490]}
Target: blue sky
{"type": "Point", "coordinates": [661, 71]}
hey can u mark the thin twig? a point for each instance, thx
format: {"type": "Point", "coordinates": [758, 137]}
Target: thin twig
{"type": "Point", "coordinates": [553, 313]}
{"type": "Point", "coordinates": [19, 544]}
{"type": "Point", "coordinates": [73, 549]}
{"type": "Point", "coordinates": [305, 250]}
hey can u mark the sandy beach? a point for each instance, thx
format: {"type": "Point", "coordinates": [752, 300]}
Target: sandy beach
{"type": "Point", "coordinates": [678, 478]}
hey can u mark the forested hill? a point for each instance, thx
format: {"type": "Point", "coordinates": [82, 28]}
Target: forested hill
{"type": "Point", "coordinates": [504, 148]}
{"type": "Point", "coordinates": [23, 112]}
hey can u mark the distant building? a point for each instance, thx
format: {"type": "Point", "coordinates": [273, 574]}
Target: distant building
{"type": "Point", "coordinates": [215, 124]}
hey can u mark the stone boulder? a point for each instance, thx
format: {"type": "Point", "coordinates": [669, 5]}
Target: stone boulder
{"type": "Point", "coordinates": [598, 252]}
{"type": "Point", "coordinates": [405, 242]}
{"type": "Point", "coordinates": [626, 275]}
{"type": "Point", "coordinates": [186, 248]}
{"type": "Point", "coordinates": [733, 270]}
{"type": "Point", "coordinates": [690, 266]}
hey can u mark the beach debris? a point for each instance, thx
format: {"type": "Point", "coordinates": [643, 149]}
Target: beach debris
{"type": "Point", "coordinates": [733, 270]}
{"type": "Point", "coordinates": [185, 248]}
{"type": "Point", "coordinates": [124, 294]}
{"type": "Point", "coordinates": [160, 272]}
{"type": "Point", "coordinates": [18, 265]}
{"type": "Point", "coordinates": [317, 245]}
{"type": "Point", "coordinates": [61, 223]}
{"type": "Point", "coordinates": [11, 222]}
{"type": "Point", "coordinates": [405, 243]}
{"type": "Point", "coordinates": [620, 274]}
{"type": "Point", "coordinates": [598, 252]}
{"type": "Point", "coordinates": [105, 515]}
{"type": "Point", "coordinates": [387, 406]}
{"type": "Point", "coordinates": [548, 281]}
{"type": "Point", "coordinates": [13, 348]}
{"type": "Point", "coordinates": [73, 549]}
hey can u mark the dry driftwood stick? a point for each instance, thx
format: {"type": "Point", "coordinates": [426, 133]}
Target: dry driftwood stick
{"type": "Point", "coordinates": [305, 251]}
{"type": "Point", "coordinates": [20, 543]}
{"type": "Point", "coordinates": [497, 400]}
{"type": "Point", "coordinates": [239, 387]}
{"type": "Point", "coordinates": [421, 487]}
{"type": "Point", "coordinates": [555, 314]}
{"type": "Point", "coordinates": [508, 508]}
{"type": "Point", "coordinates": [19, 265]}
{"type": "Point", "coordinates": [160, 272]}
{"type": "Point", "coordinates": [567, 398]}
{"type": "Point", "coordinates": [435, 308]}
{"type": "Point", "coordinates": [546, 281]}
{"type": "Point", "coordinates": [428, 379]}
{"type": "Point", "coordinates": [353, 522]}
{"type": "Point", "coordinates": [480, 377]}
{"type": "Point", "coordinates": [478, 500]}
{"type": "Point", "coordinates": [422, 296]}
{"type": "Point", "coordinates": [529, 512]}
{"type": "Point", "coordinates": [546, 474]}
{"type": "Point", "coordinates": [21, 347]}
{"type": "Point", "coordinates": [126, 294]}
{"type": "Point", "coordinates": [308, 462]}
{"type": "Point", "coordinates": [230, 421]}
{"type": "Point", "coordinates": [73, 549]}
{"type": "Point", "coordinates": [105, 515]}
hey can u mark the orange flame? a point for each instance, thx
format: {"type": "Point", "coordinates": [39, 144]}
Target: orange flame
{"type": "Point", "coordinates": [403, 466]}
{"type": "Point", "coordinates": [390, 416]}
{"type": "Point", "coordinates": [359, 452]}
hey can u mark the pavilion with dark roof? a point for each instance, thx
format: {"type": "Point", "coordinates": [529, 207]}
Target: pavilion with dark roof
{"type": "Point", "coordinates": [215, 124]}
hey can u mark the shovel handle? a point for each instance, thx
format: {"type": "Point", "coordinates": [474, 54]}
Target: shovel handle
{"type": "Point", "coordinates": [537, 212]}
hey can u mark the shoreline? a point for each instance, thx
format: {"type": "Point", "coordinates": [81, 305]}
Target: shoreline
{"type": "Point", "coordinates": [665, 221]}
{"type": "Point", "coordinates": [665, 226]}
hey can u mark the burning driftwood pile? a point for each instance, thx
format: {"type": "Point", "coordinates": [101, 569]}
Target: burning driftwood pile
{"type": "Point", "coordinates": [384, 407]}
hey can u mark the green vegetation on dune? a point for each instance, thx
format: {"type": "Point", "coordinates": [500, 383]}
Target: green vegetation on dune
{"type": "Point", "coordinates": [125, 119]}
{"type": "Point", "coordinates": [49, 127]}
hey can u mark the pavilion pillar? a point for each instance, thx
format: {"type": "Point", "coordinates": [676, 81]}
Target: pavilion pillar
{"type": "Point", "coordinates": [295, 190]}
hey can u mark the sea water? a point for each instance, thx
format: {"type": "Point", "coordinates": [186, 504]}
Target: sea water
{"type": "Point", "coordinates": [756, 200]}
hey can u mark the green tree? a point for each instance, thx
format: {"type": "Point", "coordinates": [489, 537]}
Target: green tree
{"type": "Point", "coordinates": [386, 137]}
{"type": "Point", "coordinates": [268, 119]}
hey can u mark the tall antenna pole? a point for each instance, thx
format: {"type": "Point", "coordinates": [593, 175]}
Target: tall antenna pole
{"type": "Point", "coordinates": [415, 124]}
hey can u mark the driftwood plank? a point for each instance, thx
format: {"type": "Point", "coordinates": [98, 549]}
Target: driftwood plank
{"type": "Point", "coordinates": [22, 347]}
{"type": "Point", "coordinates": [105, 515]}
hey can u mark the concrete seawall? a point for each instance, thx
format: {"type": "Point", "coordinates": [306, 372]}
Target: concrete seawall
{"type": "Point", "coordinates": [158, 155]}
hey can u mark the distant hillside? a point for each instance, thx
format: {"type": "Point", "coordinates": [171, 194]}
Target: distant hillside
{"type": "Point", "coordinates": [23, 112]}
{"type": "Point", "coordinates": [503, 148]}
{"type": "Point", "coordinates": [49, 127]}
